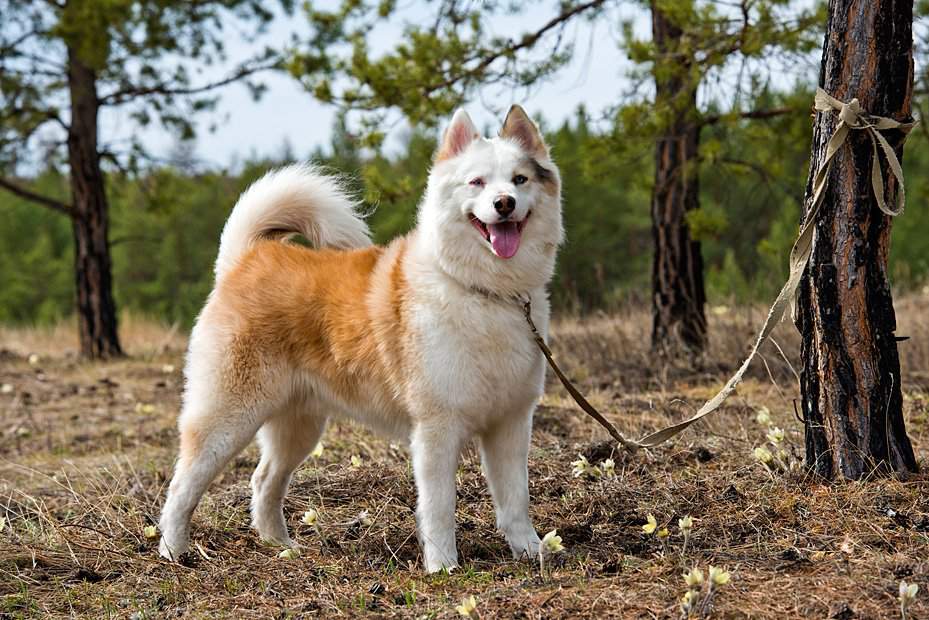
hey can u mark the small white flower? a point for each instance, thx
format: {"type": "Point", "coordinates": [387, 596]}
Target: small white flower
{"type": "Point", "coordinates": [6, 388]}
{"type": "Point", "coordinates": [609, 468]}
{"type": "Point", "coordinates": [356, 461]}
{"type": "Point", "coordinates": [775, 435]}
{"type": "Point", "coordinates": [167, 369]}
{"type": "Point", "coordinates": [687, 601]}
{"type": "Point", "coordinates": [311, 517]}
{"type": "Point", "coordinates": [718, 576]}
{"type": "Point", "coordinates": [693, 577]}
{"type": "Point", "coordinates": [551, 543]}
{"type": "Point", "coordinates": [763, 416]}
{"type": "Point", "coordinates": [34, 359]}
{"type": "Point", "coordinates": [651, 524]}
{"type": "Point", "coordinates": [150, 531]}
{"type": "Point", "coordinates": [289, 554]}
{"type": "Point", "coordinates": [763, 454]}
{"type": "Point", "coordinates": [581, 466]}
{"type": "Point", "coordinates": [907, 593]}
{"type": "Point", "coordinates": [686, 524]}
{"type": "Point", "coordinates": [317, 451]}
{"type": "Point", "coordinates": [467, 607]}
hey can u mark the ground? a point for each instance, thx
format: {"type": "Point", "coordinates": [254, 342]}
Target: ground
{"type": "Point", "coordinates": [86, 451]}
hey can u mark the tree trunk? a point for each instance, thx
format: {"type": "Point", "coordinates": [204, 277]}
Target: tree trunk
{"type": "Point", "coordinates": [850, 382]}
{"type": "Point", "coordinates": [678, 297]}
{"type": "Point", "coordinates": [96, 309]}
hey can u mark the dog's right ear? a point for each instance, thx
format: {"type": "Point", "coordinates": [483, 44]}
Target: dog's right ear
{"type": "Point", "coordinates": [460, 133]}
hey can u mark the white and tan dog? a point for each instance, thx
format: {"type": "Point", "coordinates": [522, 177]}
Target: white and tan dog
{"type": "Point", "coordinates": [420, 339]}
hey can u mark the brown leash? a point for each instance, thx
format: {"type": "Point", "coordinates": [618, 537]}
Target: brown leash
{"type": "Point", "coordinates": [589, 409]}
{"type": "Point", "coordinates": [851, 118]}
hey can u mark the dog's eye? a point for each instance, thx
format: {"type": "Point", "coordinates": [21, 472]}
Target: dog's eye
{"type": "Point", "coordinates": [519, 179]}
{"type": "Point", "coordinates": [476, 182]}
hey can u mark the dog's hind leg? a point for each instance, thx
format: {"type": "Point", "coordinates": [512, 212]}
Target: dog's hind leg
{"type": "Point", "coordinates": [209, 439]}
{"type": "Point", "coordinates": [504, 455]}
{"type": "Point", "coordinates": [229, 395]}
{"type": "Point", "coordinates": [210, 436]}
{"type": "Point", "coordinates": [285, 439]}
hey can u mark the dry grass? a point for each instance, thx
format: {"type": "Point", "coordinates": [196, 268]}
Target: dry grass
{"type": "Point", "coordinates": [84, 461]}
{"type": "Point", "coordinates": [139, 335]}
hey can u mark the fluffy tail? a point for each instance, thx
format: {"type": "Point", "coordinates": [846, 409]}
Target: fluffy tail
{"type": "Point", "coordinates": [298, 199]}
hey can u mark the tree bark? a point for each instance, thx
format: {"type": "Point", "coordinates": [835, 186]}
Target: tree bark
{"type": "Point", "coordinates": [850, 383]}
{"type": "Point", "coordinates": [678, 296]}
{"type": "Point", "coordinates": [96, 309]}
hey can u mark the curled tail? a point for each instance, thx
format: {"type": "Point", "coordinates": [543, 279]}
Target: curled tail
{"type": "Point", "coordinates": [298, 199]}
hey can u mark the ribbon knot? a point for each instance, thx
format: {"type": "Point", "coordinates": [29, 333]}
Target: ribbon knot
{"type": "Point", "coordinates": [851, 116]}
{"type": "Point", "coordinates": [850, 113]}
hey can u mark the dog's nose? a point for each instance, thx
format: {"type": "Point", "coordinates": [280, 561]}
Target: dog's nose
{"type": "Point", "coordinates": [505, 205]}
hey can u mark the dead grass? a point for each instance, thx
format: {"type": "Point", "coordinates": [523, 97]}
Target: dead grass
{"type": "Point", "coordinates": [140, 336]}
{"type": "Point", "coordinates": [86, 450]}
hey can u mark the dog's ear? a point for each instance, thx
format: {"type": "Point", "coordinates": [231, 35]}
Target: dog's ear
{"type": "Point", "coordinates": [518, 126]}
{"type": "Point", "coordinates": [460, 133]}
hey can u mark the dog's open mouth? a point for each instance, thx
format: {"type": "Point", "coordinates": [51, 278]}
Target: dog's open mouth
{"type": "Point", "coordinates": [503, 237]}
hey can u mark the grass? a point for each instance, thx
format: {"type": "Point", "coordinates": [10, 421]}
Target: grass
{"type": "Point", "coordinates": [86, 452]}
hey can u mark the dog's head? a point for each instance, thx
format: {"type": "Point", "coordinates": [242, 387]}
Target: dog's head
{"type": "Point", "coordinates": [492, 211]}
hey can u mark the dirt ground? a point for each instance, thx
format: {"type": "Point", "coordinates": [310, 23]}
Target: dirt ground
{"type": "Point", "coordinates": [86, 452]}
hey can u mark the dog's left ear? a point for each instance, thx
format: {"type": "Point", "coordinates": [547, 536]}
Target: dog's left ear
{"type": "Point", "coordinates": [518, 126]}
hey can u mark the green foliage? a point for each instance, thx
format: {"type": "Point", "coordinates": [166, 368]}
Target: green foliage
{"type": "Point", "coordinates": [36, 283]}
{"type": "Point", "coordinates": [143, 54]}
{"type": "Point", "coordinates": [437, 64]}
{"type": "Point", "coordinates": [166, 223]}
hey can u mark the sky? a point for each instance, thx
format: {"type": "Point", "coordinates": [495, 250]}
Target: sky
{"type": "Point", "coordinates": [597, 78]}
{"type": "Point", "coordinates": [287, 114]}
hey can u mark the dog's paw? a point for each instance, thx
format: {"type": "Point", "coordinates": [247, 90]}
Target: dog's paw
{"type": "Point", "coordinates": [279, 541]}
{"type": "Point", "coordinates": [524, 542]}
{"type": "Point", "coordinates": [171, 552]}
{"type": "Point", "coordinates": [439, 567]}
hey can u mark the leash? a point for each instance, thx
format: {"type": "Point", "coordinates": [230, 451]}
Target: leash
{"type": "Point", "coordinates": [589, 409]}
{"type": "Point", "coordinates": [851, 117]}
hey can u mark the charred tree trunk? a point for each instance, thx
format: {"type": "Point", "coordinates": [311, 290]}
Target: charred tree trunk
{"type": "Point", "coordinates": [96, 309]}
{"type": "Point", "coordinates": [850, 383]}
{"type": "Point", "coordinates": [678, 296]}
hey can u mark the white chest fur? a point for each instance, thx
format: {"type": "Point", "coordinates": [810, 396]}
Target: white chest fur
{"type": "Point", "coordinates": [476, 356]}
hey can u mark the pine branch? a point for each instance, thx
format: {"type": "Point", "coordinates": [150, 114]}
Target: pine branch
{"type": "Point", "coordinates": [527, 41]}
{"type": "Point", "coordinates": [752, 114]}
{"type": "Point", "coordinates": [126, 95]}
{"type": "Point", "coordinates": [45, 201]}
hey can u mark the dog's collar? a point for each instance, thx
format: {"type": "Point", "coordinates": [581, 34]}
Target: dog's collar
{"type": "Point", "coordinates": [519, 299]}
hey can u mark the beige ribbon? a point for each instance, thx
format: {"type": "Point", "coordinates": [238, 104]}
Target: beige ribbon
{"type": "Point", "coordinates": [851, 117]}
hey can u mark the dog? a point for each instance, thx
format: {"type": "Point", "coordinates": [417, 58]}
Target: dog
{"type": "Point", "coordinates": [422, 339]}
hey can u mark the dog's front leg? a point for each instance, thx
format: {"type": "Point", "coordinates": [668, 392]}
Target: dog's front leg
{"type": "Point", "coordinates": [435, 450]}
{"type": "Point", "coordinates": [504, 455]}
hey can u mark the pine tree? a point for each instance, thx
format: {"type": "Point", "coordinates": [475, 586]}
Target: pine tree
{"type": "Point", "coordinates": [850, 382]}
{"type": "Point", "coordinates": [61, 64]}
{"type": "Point", "coordinates": [442, 62]}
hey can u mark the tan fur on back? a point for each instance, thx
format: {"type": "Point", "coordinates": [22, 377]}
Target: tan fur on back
{"type": "Point", "coordinates": [335, 314]}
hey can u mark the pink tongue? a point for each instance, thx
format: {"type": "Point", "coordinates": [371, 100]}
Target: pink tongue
{"type": "Point", "coordinates": [504, 238]}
